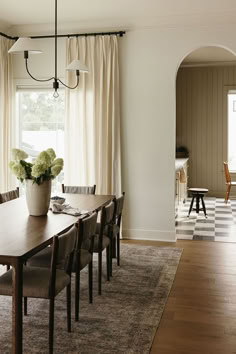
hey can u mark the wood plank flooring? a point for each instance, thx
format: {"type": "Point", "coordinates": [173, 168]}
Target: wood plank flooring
{"type": "Point", "coordinates": [200, 314]}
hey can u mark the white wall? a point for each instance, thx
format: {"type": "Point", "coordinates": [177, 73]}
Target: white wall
{"type": "Point", "coordinates": [149, 62]}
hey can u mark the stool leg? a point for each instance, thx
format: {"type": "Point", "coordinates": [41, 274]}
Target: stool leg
{"type": "Point", "coordinates": [197, 204]}
{"type": "Point", "coordinates": [191, 206]}
{"type": "Point", "coordinates": [203, 206]}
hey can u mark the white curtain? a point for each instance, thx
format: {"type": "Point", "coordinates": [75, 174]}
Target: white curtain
{"type": "Point", "coordinates": [7, 130]}
{"type": "Point", "coordinates": [92, 129]}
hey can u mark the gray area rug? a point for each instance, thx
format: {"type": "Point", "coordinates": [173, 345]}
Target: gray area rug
{"type": "Point", "coordinates": [123, 320]}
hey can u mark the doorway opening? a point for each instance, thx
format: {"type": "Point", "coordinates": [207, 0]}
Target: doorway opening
{"type": "Point", "coordinates": [203, 84]}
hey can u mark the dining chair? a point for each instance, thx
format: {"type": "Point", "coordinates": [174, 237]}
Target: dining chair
{"type": "Point", "coordinates": [6, 197]}
{"type": "Point", "coordinates": [113, 231]}
{"type": "Point", "coordinates": [228, 182]}
{"type": "Point", "coordinates": [82, 256]}
{"type": "Point", "coordinates": [102, 240]}
{"type": "Point", "coordinates": [79, 189]}
{"type": "Point", "coordinates": [47, 283]}
{"type": "Point", "coordinates": [119, 204]}
{"type": "Point", "coordinates": [10, 195]}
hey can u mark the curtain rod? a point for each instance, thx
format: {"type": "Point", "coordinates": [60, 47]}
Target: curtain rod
{"type": "Point", "coordinates": [120, 33]}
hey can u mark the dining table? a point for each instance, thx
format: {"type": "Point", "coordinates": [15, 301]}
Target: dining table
{"type": "Point", "coordinates": [22, 236]}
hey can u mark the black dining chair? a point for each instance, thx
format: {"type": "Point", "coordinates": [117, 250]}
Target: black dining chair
{"type": "Point", "coordinates": [83, 256]}
{"type": "Point", "coordinates": [79, 189]}
{"type": "Point", "coordinates": [116, 227]}
{"type": "Point", "coordinates": [10, 195]}
{"type": "Point", "coordinates": [47, 283]}
{"type": "Point", "coordinates": [6, 197]}
{"type": "Point", "coordinates": [102, 240]}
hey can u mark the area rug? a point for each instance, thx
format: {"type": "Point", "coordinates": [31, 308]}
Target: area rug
{"type": "Point", "coordinates": [121, 321]}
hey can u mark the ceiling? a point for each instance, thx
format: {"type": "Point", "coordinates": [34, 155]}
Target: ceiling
{"type": "Point", "coordinates": [31, 17]}
{"type": "Point", "coordinates": [209, 56]}
{"type": "Point", "coordinates": [119, 13]}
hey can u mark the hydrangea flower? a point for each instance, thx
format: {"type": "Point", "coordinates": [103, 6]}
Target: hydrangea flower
{"type": "Point", "coordinates": [38, 169]}
{"type": "Point", "coordinates": [59, 162]}
{"type": "Point", "coordinates": [18, 155]}
{"type": "Point", "coordinates": [56, 169]}
{"type": "Point", "coordinates": [18, 170]}
{"type": "Point", "coordinates": [45, 167]}
{"type": "Point", "coordinates": [51, 153]}
{"type": "Point", "coordinates": [44, 158]}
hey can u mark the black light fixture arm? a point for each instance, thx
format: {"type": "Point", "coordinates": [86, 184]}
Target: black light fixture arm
{"type": "Point", "coordinates": [26, 55]}
{"type": "Point", "coordinates": [77, 82]}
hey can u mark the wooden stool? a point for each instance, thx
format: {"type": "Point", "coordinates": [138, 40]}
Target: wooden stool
{"type": "Point", "coordinates": [198, 194]}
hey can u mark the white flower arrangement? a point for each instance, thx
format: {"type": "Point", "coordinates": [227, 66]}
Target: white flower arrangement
{"type": "Point", "coordinates": [44, 168]}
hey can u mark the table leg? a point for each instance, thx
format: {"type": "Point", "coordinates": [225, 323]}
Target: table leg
{"type": "Point", "coordinates": [17, 283]}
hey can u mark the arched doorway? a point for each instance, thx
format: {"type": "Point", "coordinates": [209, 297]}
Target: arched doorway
{"type": "Point", "coordinates": [204, 79]}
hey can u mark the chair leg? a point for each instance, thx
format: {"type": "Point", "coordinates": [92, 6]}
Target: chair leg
{"type": "Point", "coordinates": [77, 294]}
{"type": "Point", "coordinates": [110, 253]}
{"type": "Point", "coordinates": [191, 206]}
{"type": "Point", "coordinates": [108, 262]}
{"type": "Point", "coordinates": [100, 273]}
{"type": "Point", "coordinates": [118, 248]}
{"type": "Point", "coordinates": [68, 307]}
{"type": "Point", "coordinates": [8, 267]}
{"type": "Point", "coordinates": [51, 324]}
{"type": "Point", "coordinates": [25, 306]}
{"type": "Point", "coordinates": [227, 193]}
{"type": "Point", "coordinates": [90, 275]}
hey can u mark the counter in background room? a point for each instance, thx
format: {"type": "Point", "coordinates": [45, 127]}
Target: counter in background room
{"type": "Point", "coordinates": [181, 182]}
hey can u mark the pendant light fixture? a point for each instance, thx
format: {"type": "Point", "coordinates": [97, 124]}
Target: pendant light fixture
{"type": "Point", "coordinates": [28, 45]}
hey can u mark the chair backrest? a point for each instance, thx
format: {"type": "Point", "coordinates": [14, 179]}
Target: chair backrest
{"type": "Point", "coordinates": [79, 189]}
{"type": "Point", "coordinates": [66, 245]}
{"type": "Point", "coordinates": [107, 216]}
{"type": "Point", "coordinates": [227, 174]}
{"type": "Point", "coordinates": [7, 196]}
{"type": "Point", "coordinates": [119, 204]}
{"type": "Point", "coordinates": [87, 229]}
{"type": "Point", "coordinates": [62, 253]}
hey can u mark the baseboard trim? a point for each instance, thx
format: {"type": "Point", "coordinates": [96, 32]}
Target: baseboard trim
{"type": "Point", "coordinates": [150, 235]}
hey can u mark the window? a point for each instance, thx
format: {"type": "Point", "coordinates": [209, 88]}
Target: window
{"type": "Point", "coordinates": [41, 122]}
{"type": "Point", "coordinates": [232, 130]}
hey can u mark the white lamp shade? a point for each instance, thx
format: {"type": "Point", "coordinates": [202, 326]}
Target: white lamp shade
{"type": "Point", "coordinates": [77, 65]}
{"type": "Point", "coordinates": [25, 44]}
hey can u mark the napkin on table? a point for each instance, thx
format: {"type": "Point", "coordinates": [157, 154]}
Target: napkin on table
{"type": "Point", "coordinates": [67, 209]}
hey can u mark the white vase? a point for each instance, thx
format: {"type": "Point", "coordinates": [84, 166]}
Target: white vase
{"type": "Point", "coordinates": [38, 197]}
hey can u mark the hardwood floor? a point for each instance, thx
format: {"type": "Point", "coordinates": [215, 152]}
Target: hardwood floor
{"type": "Point", "coordinates": [200, 314]}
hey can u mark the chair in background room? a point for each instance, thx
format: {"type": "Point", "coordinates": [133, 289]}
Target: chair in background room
{"type": "Point", "coordinates": [79, 189]}
{"type": "Point", "coordinates": [47, 283]}
{"type": "Point", "coordinates": [228, 182]}
{"type": "Point", "coordinates": [82, 256]}
{"type": "Point", "coordinates": [7, 196]}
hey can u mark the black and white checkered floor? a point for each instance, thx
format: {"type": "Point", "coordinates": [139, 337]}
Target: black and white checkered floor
{"type": "Point", "coordinates": [220, 224]}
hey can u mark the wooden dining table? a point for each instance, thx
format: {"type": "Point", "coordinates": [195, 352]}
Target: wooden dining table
{"type": "Point", "coordinates": [22, 236]}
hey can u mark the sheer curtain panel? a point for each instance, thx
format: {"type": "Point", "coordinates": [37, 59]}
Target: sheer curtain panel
{"type": "Point", "coordinates": [7, 130]}
{"type": "Point", "coordinates": [92, 127]}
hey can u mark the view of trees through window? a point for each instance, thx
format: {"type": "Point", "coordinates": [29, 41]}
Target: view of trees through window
{"type": "Point", "coordinates": [41, 118]}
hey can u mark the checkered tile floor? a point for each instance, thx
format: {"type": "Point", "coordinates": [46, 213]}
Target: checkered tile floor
{"type": "Point", "coordinates": [220, 224]}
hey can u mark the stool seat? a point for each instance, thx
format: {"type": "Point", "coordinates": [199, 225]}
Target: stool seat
{"type": "Point", "coordinates": [198, 194]}
{"type": "Point", "coordinates": [198, 190]}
